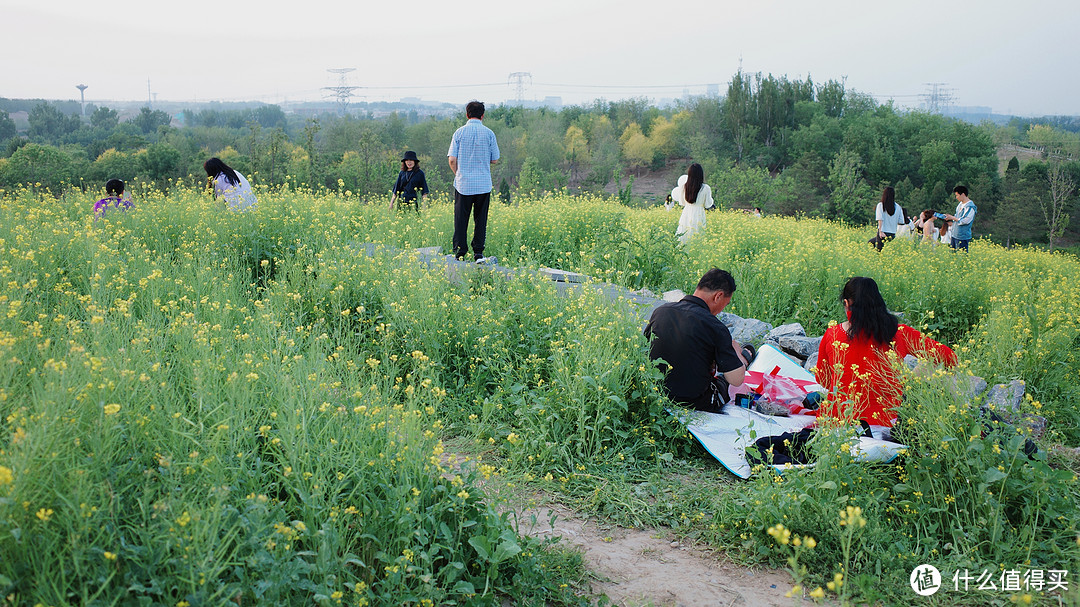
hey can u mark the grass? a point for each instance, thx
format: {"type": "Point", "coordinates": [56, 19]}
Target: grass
{"type": "Point", "coordinates": [204, 407]}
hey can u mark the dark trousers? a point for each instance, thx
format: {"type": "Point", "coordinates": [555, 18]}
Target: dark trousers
{"type": "Point", "coordinates": [714, 398]}
{"type": "Point", "coordinates": [879, 242]}
{"type": "Point", "coordinates": [477, 205]}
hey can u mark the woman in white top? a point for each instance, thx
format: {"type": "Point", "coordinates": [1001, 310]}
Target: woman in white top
{"type": "Point", "coordinates": [230, 184]}
{"type": "Point", "coordinates": [889, 216]}
{"type": "Point", "coordinates": [694, 195]}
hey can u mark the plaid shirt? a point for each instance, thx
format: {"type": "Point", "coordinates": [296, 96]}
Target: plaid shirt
{"type": "Point", "coordinates": [475, 148]}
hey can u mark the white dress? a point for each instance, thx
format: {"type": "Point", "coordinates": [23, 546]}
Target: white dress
{"type": "Point", "coordinates": [692, 219]}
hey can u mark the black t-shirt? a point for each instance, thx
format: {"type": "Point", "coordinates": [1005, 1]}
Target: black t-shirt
{"type": "Point", "coordinates": [694, 343]}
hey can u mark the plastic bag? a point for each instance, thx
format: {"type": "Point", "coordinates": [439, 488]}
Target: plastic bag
{"type": "Point", "coordinates": [782, 390]}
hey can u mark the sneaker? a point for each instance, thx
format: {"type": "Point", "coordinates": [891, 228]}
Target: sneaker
{"type": "Point", "coordinates": [486, 260]}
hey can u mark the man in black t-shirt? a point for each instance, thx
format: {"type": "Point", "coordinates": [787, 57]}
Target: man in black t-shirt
{"type": "Point", "coordinates": [696, 346]}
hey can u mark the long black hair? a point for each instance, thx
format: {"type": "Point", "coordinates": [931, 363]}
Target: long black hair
{"type": "Point", "coordinates": [695, 176]}
{"type": "Point", "coordinates": [888, 200]}
{"type": "Point", "coordinates": [215, 167]}
{"type": "Point", "coordinates": [870, 317]}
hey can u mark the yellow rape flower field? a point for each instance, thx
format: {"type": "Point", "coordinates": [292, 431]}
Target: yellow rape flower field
{"type": "Point", "coordinates": [288, 406]}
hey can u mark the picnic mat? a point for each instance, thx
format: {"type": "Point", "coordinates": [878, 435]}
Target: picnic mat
{"type": "Point", "coordinates": [727, 436]}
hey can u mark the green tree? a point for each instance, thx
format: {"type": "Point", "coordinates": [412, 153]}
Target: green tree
{"type": "Point", "coordinates": [104, 118]}
{"type": "Point", "coordinates": [1062, 187]}
{"type": "Point", "coordinates": [112, 164]}
{"type": "Point", "coordinates": [7, 127]}
{"type": "Point", "coordinates": [938, 163]}
{"type": "Point", "coordinates": [738, 109]}
{"type": "Point", "coordinates": [831, 97]}
{"type": "Point", "coordinates": [1018, 217]}
{"type": "Point", "coordinates": [149, 120]}
{"type": "Point", "coordinates": [637, 151]}
{"type": "Point", "coordinates": [49, 124]}
{"type": "Point", "coordinates": [161, 162]}
{"type": "Point", "coordinates": [39, 164]}
{"type": "Point", "coordinates": [576, 147]}
{"type": "Point", "coordinates": [311, 131]}
{"type": "Point", "coordinates": [849, 194]}
{"type": "Point", "coordinates": [277, 157]}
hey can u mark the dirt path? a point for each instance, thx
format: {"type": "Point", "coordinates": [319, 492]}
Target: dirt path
{"type": "Point", "coordinates": [637, 567]}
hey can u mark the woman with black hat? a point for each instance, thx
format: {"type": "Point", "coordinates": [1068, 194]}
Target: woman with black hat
{"type": "Point", "coordinates": [409, 180]}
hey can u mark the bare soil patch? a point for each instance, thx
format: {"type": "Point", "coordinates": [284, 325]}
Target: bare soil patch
{"type": "Point", "coordinates": [635, 567]}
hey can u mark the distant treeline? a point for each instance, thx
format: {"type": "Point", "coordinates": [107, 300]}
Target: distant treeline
{"type": "Point", "coordinates": [788, 146]}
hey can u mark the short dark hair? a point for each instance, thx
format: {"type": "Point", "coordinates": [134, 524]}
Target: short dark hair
{"type": "Point", "coordinates": [717, 280]}
{"type": "Point", "coordinates": [960, 189]}
{"type": "Point", "coordinates": [475, 109]}
{"type": "Point", "coordinates": [114, 187]}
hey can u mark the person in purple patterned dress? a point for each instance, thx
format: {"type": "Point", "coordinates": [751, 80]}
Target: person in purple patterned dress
{"type": "Point", "coordinates": [115, 199]}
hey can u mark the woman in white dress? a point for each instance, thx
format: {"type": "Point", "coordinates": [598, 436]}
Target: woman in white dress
{"type": "Point", "coordinates": [230, 185]}
{"type": "Point", "coordinates": [694, 195]}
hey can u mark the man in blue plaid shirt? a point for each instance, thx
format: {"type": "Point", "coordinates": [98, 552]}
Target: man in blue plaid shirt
{"type": "Point", "coordinates": [473, 150]}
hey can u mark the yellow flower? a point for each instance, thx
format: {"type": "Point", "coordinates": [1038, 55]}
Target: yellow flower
{"type": "Point", "coordinates": [112, 409]}
{"type": "Point", "coordinates": [109, 556]}
{"type": "Point", "coordinates": [7, 477]}
{"type": "Point", "coordinates": [45, 514]}
{"type": "Point", "coordinates": [817, 593]}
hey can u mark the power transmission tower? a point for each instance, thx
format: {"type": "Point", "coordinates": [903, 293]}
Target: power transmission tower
{"type": "Point", "coordinates": [343, 91]}
{"type": "Point", "coordinates": [937, 98]}
{"type": "Point", "coordinates": [82, 97]}
{"type": "Point", "coordinates": [517, 80]}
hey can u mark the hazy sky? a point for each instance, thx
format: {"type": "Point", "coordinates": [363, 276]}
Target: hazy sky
{"type": "Point", "coordinates": [1014, 56]}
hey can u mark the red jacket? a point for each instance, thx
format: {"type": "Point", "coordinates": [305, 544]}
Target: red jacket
{"type": "Point", "coordinates": [860, 378]}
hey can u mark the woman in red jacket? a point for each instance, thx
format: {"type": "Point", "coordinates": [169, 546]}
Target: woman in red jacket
{"type": "Point", "coordinates": [854, 362]}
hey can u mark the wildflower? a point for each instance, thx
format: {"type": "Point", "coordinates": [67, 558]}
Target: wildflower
{"type": "Point", "coordinates": [183, 519]}
{"type": "Point", "coordinates": [817, 593]}
{"type": "Point", "coordinates": [109, 556]}
{"type": "Point", "coordinates": [7, 477]}
{"type": "Point", "coordinates": [852, 515]}
{"type": "Point", "coordinates": [112, 409]}
{"type": "Point", "coordinates": [45, 514]}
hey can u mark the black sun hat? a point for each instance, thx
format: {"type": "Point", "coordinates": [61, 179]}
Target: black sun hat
{"type": "Point", "coordinates": [410, 155]}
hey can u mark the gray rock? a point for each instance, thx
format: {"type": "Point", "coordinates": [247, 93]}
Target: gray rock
{"type": "Point", "coordinates": [811, 361]}
{"type": "Point", "coordinates": [749, 330]}
{"type": "Point", "coordinates": [729, 319]}
{"type": "Point", "coordinates": [910, 362]}
{"type": "Point", "coordinates": [793, 329]}
{"type": "Point", "coordinates": [968, 387]}
{"type": "Point", "coordinates": [1033, 425]}
{"type": "Point", "coordinates": [1006, 397]}
{"type": "Point", "coordinates": [799, 345]}
{"type": "Point", "coordinates": [673, 295]}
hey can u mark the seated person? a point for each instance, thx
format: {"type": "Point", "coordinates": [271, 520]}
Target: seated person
{"type": "Point", "coordinates": [853, 366]}
{"type": "Point", "coordinates": [114, 188]}
{"type": "Point", "coordinates": [695, 345]}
